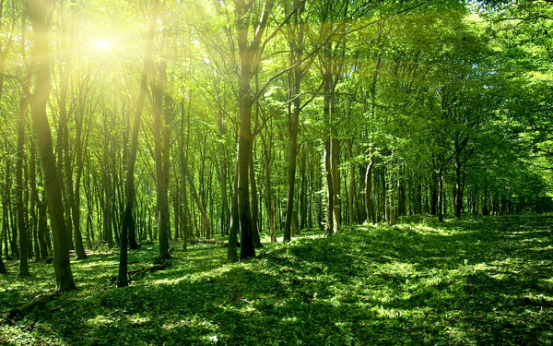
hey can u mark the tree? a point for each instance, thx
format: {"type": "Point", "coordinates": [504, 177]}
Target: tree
{"type": "Point", "coordinates": [295, 33]}
{"type": "Point", "coordinates": [37, 11]}
{"type": "Point", "coordinates": [122, 280]}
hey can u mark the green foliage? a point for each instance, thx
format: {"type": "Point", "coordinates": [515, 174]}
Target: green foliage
{"type": "Point", "coordinates": [472, 282]}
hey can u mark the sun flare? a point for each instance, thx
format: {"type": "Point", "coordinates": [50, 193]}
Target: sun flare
{"type": "Point", "coordinates": [102, 44]}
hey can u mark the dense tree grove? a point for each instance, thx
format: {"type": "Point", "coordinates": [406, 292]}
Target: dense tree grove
{"type": "Point", "coordinates": [124, 122]}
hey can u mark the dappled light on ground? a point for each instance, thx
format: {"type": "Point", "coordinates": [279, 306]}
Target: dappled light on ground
{"type": "Point", "coordinates": [471, 282]}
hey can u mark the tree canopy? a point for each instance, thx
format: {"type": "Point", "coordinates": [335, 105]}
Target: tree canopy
{"type": "Point", "coordinates": [136, 121]}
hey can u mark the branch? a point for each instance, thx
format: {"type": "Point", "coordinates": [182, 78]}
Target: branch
{"type": "Point", "coordinates": [276, 31]}
{"type": "Point", "coordinates": [538, 166]}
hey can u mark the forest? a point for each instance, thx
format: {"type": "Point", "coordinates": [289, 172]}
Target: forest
{"type": "Point", "coordinates": [283, 172]}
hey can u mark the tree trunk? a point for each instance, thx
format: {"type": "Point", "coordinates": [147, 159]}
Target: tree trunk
{"type": "Point", "coordinates": [434, 195]}
{"type": "Point", "coordinates": [303, 192]}
{"type": "Point", "coordinates": [294, 91]}
{"type": "Point", "coordinates": [76, 199]}
{"type": "Point", "coordinates": [458, 189]}
{"type": "Point", "coordinates": [244, 153]}
{"type": "Point", "coordinates": [2, 266]}
{"type": "Point", "coordinates": [161, 162]}
{"type": "Point", "coordinates": [255, 231]}
{"type": "Point", "coordinates": [369, 204]}
{"type": "Point", "coordinates": [329, 229]}
{"type": "Point", "coordinates": [351, 214]}
{"type": "Point", "coordinates": [232, 254]}
{"type": "Point", "coordinates": [269, 204]}
{"type": "Point", "coordinates": [186, 173]}
{"type": "Point", "coordinates": [20, 206]}
{"type": "Point", "coordinates": [122, 279]}
{"type": "Point", "coordinates": [181, 162]}
{"type": "Point", "coordinates": [107, 199]}
{"type": "Point", "coordinates": [6, 207]}
{"type": "Point", "coordinates": [401, 196]}
{"type": "Point", "coordinates": [246, 55]}
{"type": "Point", "coordinates": [176, 209]}
{"type": "Point", "coordinates": [292, 156]}
{"type": "Point", "coordinates": [335, 167]}
{"type": "Point", "coordinates": [34, 202]}
{"type": "Point", "coordinates": [37, 11]}
{"type": "Point", "coordinates": [418, 198]}
{"type": "Point", "coordinates": [225, 215]}
{"type": "Point", "coordinates": [392, 213]}
{"type": "Point", "coordinates": [440, 195]}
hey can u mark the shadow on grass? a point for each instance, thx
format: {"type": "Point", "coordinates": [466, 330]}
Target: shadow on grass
{"type": "Point", "coordinates": [484, 281]}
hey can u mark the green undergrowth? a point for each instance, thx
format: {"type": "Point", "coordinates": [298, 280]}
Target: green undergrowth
{"type": "Point", "coordinates": [478, 281]}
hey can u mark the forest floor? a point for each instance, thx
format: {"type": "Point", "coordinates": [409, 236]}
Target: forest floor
{"type": "Point", "coordinates": [477, 281]}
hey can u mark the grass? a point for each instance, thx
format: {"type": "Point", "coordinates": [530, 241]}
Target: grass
{"type": "Point", "coordinates": [478, 281]}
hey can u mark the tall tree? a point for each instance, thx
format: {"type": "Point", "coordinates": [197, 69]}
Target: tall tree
{"type": "Point", "coordinates": [295, 28]}
{"type": "Point", "coordinates": [122, 279]}
{"type": "Point", "coordinates": [162, 141]}
{"type": "Point", "coordinates": [38, 11]}
{"type": "Point", "coordinates": [20, 205]}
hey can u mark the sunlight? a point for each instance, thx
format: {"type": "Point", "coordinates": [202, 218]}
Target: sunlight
{"type": "Point", "coordinates": [102, 45]}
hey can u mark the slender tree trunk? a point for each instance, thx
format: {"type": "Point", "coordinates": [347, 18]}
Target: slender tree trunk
{"type": "Point", "coordinates": [20, 206]}
{"type": "Point", "coordinates": [176, 209]}
{"type": "Point", "coordinates": [369, 204]}
{"type": "Point", "coordinates": [34, 201]}
{"type": "Point", "coordinates": [310, 199]}
{"type": "Point", "coordinates": [185, 216]}
{"type": "Point", "coordinates": [296, 47]}
{"type": "Point", "coordinates": [5, 236]}
{"type": "Point", "coordinates": [269, 204]}
{"type": "Point", "coordinates": [232, 254]}
{"type": "Point", "coordinates": [106, 200]}
{"type": "Point", "coordinates": [161, 164]}
{"type": "Point", "coordinates": [122, 279]}
{"type": "Point", "coordinates": [440, 195]}
{"type": "Point", "coordinates": [434, 195]}
{"type": "Point", "coordinates": [42, 229]}
{"type": "Point", "coordinates": [76, 199]}
{"type": "Point", "coordinates": [186, 173]}
{"type": "Point", "coordinates": [273, 223]}
{"type": "Point", "coordinates": [351, 214]}
{"type": "Point", "coordinates": [329, 229]}
{"type": "Point", "coordinates": [303, 192]}
{"type": "Point", "coordinates": [255, 230]}
{"type": "Point", "coordinates": [183, 178]}
{"type": "Point", "coordinates": [392, 212]}
{"type": "Point", "coordinates": [419, 197]}
{"type": "Point", "coordinates": [2, 266]}
{"type": "Point", "coordinates": [331, 156]}
{"type": "Point", "coordinates": [225, 215]}
{"type": "Point", "coordinates": [458, 189]}
{"type": "Point", "coordinates": [292, 157]}
{"type": "Point", "coordinates": [383, 195]}
{"type": "Point", "coordinates": [6, 207]}
{"type": "Point", "coordinates": [26, 210]}
{"type": "Point", "coordinates": [2, 238]}
{"type": "Point", "coordinates": [401, 196]}
{"type": "Point", "coordinates": [335, 167]}
{"type": "Point", "coordinates": [132, 229]}
{"type": "Point", "coordinates": [65, 171]}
